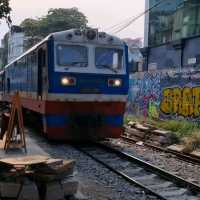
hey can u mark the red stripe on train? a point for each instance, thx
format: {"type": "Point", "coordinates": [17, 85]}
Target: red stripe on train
{"type": "Point", "coordinates": [106, 108]}
{"type": "Point", "coordinates": [65, 133]}
{"type": "Point", "coordinates": [57, 107]}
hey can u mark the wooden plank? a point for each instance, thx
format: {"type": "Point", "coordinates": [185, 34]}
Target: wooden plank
{"type": "Point", "coordinates": [25, 160]}
{"type": "Point", "coordinates": [135, 132]}
{"type": "Point", "coordinates": [67, 165]}
{"type": "Point", "coordinates": [54, 162]}
{"type": "Point", "coordinates": [45, 173]}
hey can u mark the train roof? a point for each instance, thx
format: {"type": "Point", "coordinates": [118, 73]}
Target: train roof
{"type": "Point", "coordinates": [77, 36]}
{"type": "Point", "coordinates": [88, 35]}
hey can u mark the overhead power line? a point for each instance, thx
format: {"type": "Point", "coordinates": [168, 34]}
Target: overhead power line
{"type": "Point", "coordinates": [117, 25]}
{"type": "Point", "coordinates": [120, 27]}
{"type": "Point", "coordinates": [137, 17]}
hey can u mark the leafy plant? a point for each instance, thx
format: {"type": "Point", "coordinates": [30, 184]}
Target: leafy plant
{"type": "Point", "coordinates": [5, 11]}
{"type": "Point", "coordinates": [58, 19]}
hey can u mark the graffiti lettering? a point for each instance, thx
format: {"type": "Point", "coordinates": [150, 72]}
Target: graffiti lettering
{"type": "Point", "coordinates": [181, 101]}
{"type": "Point", "coordinates": [153, 111]}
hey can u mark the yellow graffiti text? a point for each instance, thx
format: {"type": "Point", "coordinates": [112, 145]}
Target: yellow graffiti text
{"type": "Point", "coordinates": [181, 101]}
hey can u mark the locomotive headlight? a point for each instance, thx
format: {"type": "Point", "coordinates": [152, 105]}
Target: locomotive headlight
{"type": "Point", "coordinates": [114, 82]}
{"type": "Point", "coordinates": [68, 81]}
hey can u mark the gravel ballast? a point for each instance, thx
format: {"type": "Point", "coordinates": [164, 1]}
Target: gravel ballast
{"type": "Point", "coordinates": [166, 161]}
{"type": "Point", "coordinates": [95, 181]}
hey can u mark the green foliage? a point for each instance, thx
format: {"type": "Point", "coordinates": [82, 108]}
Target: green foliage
{"type": "Point", "coordinates": [129, 118]}
{"type": "Point", "coordinates": [62, 19]}
{"type": "Point", "coordinates": [182, 128]}
{"type": "Point", "coordinates": [191, 143]}
{"type": "Point", "coordinates": [4, 51]}
{"type": "Point", "coordinates": [5, 10]}
{"type": "Point", "coordinates": [182, 131]}
{"type": "Point", "coordinates": [31, 27]}
{"type": "Point", "coordinates": [56, 20]}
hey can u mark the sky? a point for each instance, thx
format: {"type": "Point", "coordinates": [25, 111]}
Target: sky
{"type": "Point", "coordinates": [100, 13]}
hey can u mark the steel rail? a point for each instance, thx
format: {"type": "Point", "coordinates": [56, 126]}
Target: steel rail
{"type": "Point", "coordinates": [181, 156]}
{"type": "Point", "coordinates": [129, 179]}
{"type": "Point", "coordinates": [154, 169]}
{"type": "Point", "coordinates": [195, 189]}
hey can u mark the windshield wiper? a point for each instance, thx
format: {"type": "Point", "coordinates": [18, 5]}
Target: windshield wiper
{"type": "Point", "coordinates": [73, 64]}
{"type": "Point", "coordinates": [108, 67]}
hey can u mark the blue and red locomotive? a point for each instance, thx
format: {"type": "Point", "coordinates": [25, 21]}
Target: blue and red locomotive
{"type": "Point", "coordinates": [76, 81]}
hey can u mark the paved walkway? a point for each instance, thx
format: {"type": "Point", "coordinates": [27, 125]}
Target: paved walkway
{"type": "Point", "coordinates": [32, 149]}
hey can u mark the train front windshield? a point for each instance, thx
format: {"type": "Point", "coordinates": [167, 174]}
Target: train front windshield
{"type": "Point", "coordinates": [73, 56]}
{"type": "Point", "coordinates": [88, 59]}
{"type": "Point", "coordinates": [109, 58]}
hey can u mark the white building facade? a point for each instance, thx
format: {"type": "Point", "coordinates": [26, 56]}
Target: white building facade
{"type": "Point", "coordinates": [15, 43]}
{"type": "Point", "coordinates": [146, 24]}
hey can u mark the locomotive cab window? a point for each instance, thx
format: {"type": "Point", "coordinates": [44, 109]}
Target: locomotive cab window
{"type": "Point", "coordinates": [109, 58]}
{"type": "Point", "coordinates": [72, 56]}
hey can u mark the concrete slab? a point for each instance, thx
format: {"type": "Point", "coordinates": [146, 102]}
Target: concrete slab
{"type": "Point", "coordinates": [185, 197]}
{"type": "Point", "coordinates": [79, 196]}
{"type": "Point", "coordinates": [160, 132]}
{"type": "Point", "coordinates": [70, 186]}
{"type": "Point", "coordinates": [146, 179]}
{"type": "Point", "coordinates": [135, 132]}
{"type": "Point", "coordinates": [175, 147]}
{"type": "Point", "coordinates": [29, 192]}
{"type": "Point", "coordinates": [196, 153]}
{"type": "Point", "coordinates": [54, 191]}
{"type": "Point", "coordinates": [161, 186]}
{"type": "Point", "coordinates": [141, 127]}
{"type": "Point", "coordinates": [9, 190]}
{"type": "Point", "coordinates": [132, 172]}
{"type": "Point", "coordinates": [174, 193]}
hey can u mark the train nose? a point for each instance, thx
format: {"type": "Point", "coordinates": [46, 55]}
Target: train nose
{"type": "Point", "coordinates": [85, 125]}
{"type": "Point", "coordinates": [86, 120]}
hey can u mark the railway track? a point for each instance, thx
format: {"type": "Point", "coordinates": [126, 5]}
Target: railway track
{"type": "Point", "coordinates": [153, 180]}
{"type": "Point", "coordinates": [182, 156]}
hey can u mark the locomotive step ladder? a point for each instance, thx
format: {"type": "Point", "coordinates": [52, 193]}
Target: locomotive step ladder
{"type": "Point", "coordinates": [15, 126]}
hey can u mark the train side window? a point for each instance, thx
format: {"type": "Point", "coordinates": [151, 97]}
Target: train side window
{"type": "Point", "coordinates": [8, 85]}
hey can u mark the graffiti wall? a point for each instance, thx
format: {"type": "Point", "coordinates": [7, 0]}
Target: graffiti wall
{"type": "Point", "coordinates": [165, 95]}
{"type": "Point", "coordinates": [144, 95]}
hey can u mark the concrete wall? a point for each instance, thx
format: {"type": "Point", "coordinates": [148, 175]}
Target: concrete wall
{"type": "Point", "coordinates": [171, 86]}
{"type": "Point", "coordinates": [165, 95]}
{"type": "Point", "coordinates": [191, 51]}
{"type": "Point", "coordinates": [165, 57]}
